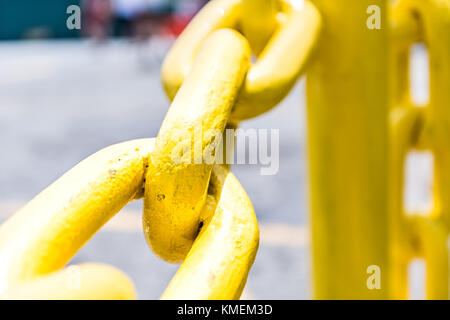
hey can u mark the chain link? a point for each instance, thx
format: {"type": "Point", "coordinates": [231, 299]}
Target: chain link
{"type": "Point", "coordinates": [204, 73]}
{"type": "Point", "coordinates": [279, 65]}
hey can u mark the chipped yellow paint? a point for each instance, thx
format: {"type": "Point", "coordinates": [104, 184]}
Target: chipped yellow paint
{"type": "Point", "coordinates": [176, 192]}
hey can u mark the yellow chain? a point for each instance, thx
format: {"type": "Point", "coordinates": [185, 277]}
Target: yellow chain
{"type": "Point", "coordinates": [196, 212]}
{"type": "Point", "coordinates": [44, 235]}
{"type": "Point", "coordinates": [204, 72]}
{"type": "Point", "coordinates": [282, 61]}
{"type": "Point", "coordinates": [176, 193]}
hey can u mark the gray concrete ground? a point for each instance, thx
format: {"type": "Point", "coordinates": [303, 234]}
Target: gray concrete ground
{"type": "Point", "coordinates": [62, 101]}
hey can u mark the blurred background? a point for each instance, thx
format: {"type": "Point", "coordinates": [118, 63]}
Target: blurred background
{"type": "Point", "coordinates": [65, 94]}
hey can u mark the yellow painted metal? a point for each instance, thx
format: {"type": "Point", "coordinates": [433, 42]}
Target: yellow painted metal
{"type": "Point", "coordinates": [282, 61]}
{"type": "Point", "coordinates": [260, 21]}
{"type": "Point", "coordinates": [430, 240]}
{"type": "Point", "coordinates": [183, 201]}
{"type": "Point", "coordinates": [80, 282]}
{"type": "Point", "coordinates": [45, 234]}
{"type": "Point", "coordinates": [176, 192]}
{"type": "Point", "coordinates": [435, 17]}
{"type": "Point", "coordinates": [423, 235]}
{"type": "Point", "coordinates": [215, 15]}
{"type": "Point", "coordinates": [37, 242]}
{"type": "Point", "coordinates": [405, 123]}
{"type": "Point", "coordinates": [209, 66]}
{"type": "Point", "coordinates": [348, 104]}
{"type": "Point", "coordinates": [229, 230]}
{"type": "Point", "coordinates": [362, 123]}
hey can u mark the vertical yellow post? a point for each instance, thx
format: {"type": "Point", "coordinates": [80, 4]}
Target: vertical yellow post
{"type": "Point", "coordinates": [348, 104]}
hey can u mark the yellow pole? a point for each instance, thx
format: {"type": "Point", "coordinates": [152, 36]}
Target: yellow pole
{"type": "Point", "coordinates": [348, 104]}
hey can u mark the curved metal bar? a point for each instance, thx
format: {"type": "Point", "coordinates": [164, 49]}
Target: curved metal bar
{"type": "Point", "coordinates": [180, 167]}
{"type": "Point", "coordinates": [282, 60]}
{"type": "Point", "coordinates": [223, 253]}
{"type": "Point", "coordinates": [45, 234]}
{"type": "Point", "coordinates": [40, 239]}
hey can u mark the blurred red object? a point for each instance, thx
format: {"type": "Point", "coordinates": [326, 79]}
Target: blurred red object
{"type": "Point", "coordinates": [97, 15]}
{"type": "Point", "coordinates": [175, 24]}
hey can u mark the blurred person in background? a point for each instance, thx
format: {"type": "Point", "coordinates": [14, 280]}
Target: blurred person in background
{"type": "Point", "coordinates": [152, 25]}
{"type": "Point", "coordinates": [184, 11]}
{"type": "Point", "coordinates": [97, 16]}
{"type": "Point", "coordinates": [141, 19]}
{"type": "Point", "coordinates": [137, 19]}
{"type": "Point", "coordinates": [151, 21]}
{"type": "Point", "coordinates": [125, 12]}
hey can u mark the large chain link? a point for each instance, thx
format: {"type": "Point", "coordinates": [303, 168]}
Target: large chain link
{"type": "Point", "coordinates": [176, 193]}
{"type": "Point", "coordinates": [204, 74]}
{"type": "Point", "coordinates": [283, 59]}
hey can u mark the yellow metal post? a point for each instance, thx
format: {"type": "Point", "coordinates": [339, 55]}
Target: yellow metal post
{"type": "Point", "coordinates": [348, 104]}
